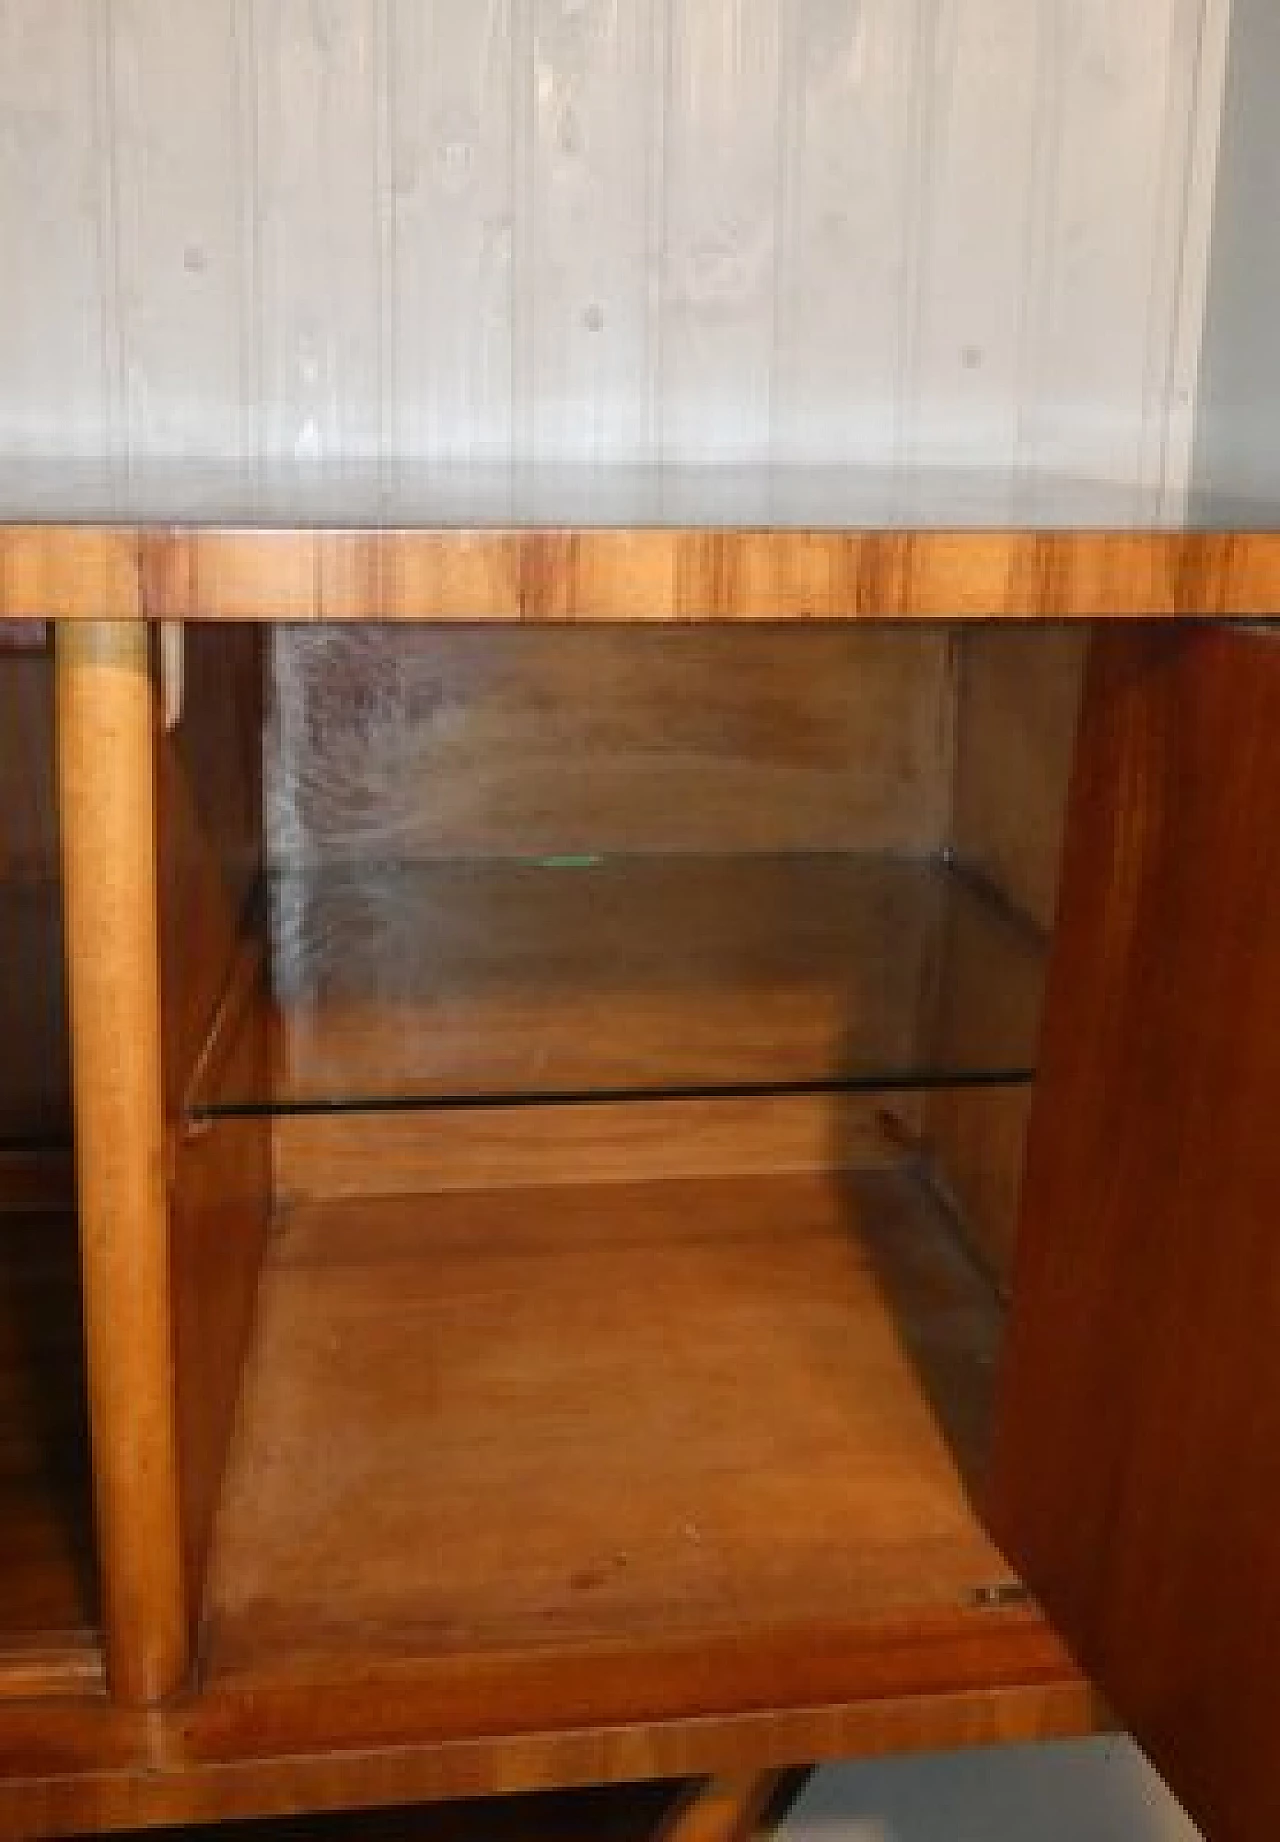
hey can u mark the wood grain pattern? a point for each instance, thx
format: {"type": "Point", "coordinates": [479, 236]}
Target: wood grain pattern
{"type": "Point", "coordinates": [90, 1767]}
{"type": "Point", "coordinates": [107, 802]}
{"type": "Point", "coordinates": [1136, 1476]}
{"type": "Point", "coordinates": [595, 1422]}
{"type": "Point", "coordinates": [70, 572]}
{"type": "Point", "coordinates": [384, 1154]}
{"type": "Point", "coordinates": [476, 742]}
{"type": "Point", "coordinates": [120, 572]}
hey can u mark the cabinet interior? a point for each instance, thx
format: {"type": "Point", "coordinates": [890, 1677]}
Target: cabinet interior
{"type": "Point", "coordinates": [48, 1598]}
{"type": "Point", "coordinates": [639, 1025]}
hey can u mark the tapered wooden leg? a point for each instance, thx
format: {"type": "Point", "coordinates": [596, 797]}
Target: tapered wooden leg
{"type": "Point", "coordinates": [733, 1809]}
{"type": "Point", "coordinates": [106, 791]}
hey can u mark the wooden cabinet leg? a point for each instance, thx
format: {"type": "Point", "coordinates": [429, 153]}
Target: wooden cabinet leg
{"type": "Point", "coordinates": [732, 1809]}
{"type": "Point", "coordinates": [106, 791]}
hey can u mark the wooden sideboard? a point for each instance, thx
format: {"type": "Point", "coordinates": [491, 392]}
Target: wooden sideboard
{"type": "Point", "coordinates": [517, 1267]}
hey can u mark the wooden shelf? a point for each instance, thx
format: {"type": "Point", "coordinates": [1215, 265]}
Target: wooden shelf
{"type": "Point", "coordinates": [612, 1452]}
{"type": "Point", "coordinates": [48, 1619]}
{"type": "Point", "coordinates": [589, 977]}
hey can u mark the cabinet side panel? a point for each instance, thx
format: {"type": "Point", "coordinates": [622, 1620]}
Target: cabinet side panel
{"type": "Point", "coordinates": [1019, 702]}
{"type": "Point", "coordinates": [1136, 1482]}
{"type": "Point", "coordinates": [1019, 697]}
{"type": "Point", "coordinates": [215, 1017]}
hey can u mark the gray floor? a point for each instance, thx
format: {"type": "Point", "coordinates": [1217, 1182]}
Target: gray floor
{"type": "Point", "coordinates": [1087, 1791]}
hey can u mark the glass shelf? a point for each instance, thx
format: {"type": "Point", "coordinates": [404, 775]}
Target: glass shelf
{"type": "Point", "coordinates": [408, 493]}
{"type": "Point", "coordinates": [469, 982]}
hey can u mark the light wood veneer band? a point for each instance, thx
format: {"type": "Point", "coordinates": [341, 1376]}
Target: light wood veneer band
{"type": "Point", "coordinates": [116, 572]}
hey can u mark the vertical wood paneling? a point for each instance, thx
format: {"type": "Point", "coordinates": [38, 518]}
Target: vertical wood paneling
{"type": "Point", "coordinates": [974, 229]}
{"type": "Point", "coordinates": [317, 64]}
{"type": "Point", "coordinates": [842, 260]}
{"type": "Point", "coordinates": [1175, 422]}
{"type": "Point", "coordinates": [585, 274]}
{"type": "Point", "coordinates": [1235, 451]}
{"type": "Point", "coordinates": [723, 118]}
{"type": "Point", "coordinates": [449, 376]}
{"type": "Point", "coordinates": [962, 232]}
{"type": "Point", "coordinates": [53, 289]}
{"type": "Point", "coordinates": [1104, 313]}
{"type": "Point", "coordinates": [182, 120]}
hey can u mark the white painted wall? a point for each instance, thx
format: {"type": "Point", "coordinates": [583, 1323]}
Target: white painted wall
{"type": "Point", "coordinates": [1092, 1791]}
{"type": "Point", "coordinates": [1237, 452]}
{"type": "Point", "coordinates": [916, 231]}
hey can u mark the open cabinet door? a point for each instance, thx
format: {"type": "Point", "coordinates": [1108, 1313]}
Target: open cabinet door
{"type": "Point", "coordinates": [1136, 1482]}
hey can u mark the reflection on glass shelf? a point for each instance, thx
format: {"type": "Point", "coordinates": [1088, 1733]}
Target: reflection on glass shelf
{"type": "Point", "coordinates": [396, 492]}
{"type": "Point", "coordinates": [491, 981]}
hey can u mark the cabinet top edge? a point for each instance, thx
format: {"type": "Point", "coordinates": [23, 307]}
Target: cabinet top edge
{"type": "Point", "coordinates": [185, 543]}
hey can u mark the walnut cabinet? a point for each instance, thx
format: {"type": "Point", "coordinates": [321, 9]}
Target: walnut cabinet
{"type": "Point", "coordinates": [656, 1155]}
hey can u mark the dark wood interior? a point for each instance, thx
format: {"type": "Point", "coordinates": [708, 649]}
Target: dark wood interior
{"type": "Point", "coordinates": [48, 1588]}
{"type": "Point", "coordinates": [624, 1813]}
{"type": "Point", "coordinates": [665, 1392]}
{"type": "Point", "coordinates": [35, 1102]}
{"type": "Point", "coordinates": [211, 864]}
{"type": "Point", "coordinates": [509, 1415]}
{"type": "Point", "coordinates": [48, 1591]}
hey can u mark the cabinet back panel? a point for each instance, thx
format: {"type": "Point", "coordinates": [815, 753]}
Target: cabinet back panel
{"type": "Point", "coordinates": [1018, 697]}
{"type": "Point", "coordinates": [438, 742]}
{"type": "Point", "coordinates": [34, 1081]}
{"type": "Point", "coordinates": [48, 1593]}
